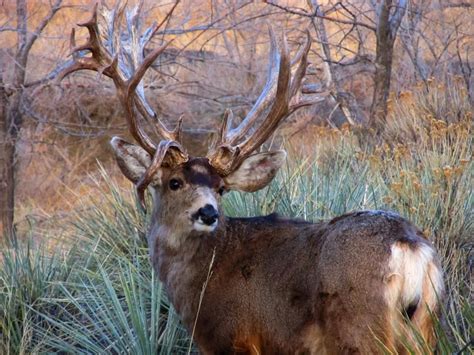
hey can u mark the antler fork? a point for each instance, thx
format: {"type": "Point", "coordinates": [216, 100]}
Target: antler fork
{"type": "Point", "coordinates": [118, 54]}
{"type": "Point", "coordinates": [279, 98]}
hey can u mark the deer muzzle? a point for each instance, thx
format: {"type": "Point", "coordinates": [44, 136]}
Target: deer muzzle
{"type": "Point", "coordinates": [206, 218]}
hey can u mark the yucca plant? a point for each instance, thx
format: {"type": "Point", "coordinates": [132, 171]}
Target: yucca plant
{"type": "Point", "coordinates": [97, 292]}
{"type": "Point", "coordinates": [28, 275]}
{"type": "Point", "coordinates": [119, 311]}
{"type": "Point", "coordinates": [115, 305]}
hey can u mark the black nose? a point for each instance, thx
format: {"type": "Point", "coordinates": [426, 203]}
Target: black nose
{"type": "Point", "coordinates": [208, 214]}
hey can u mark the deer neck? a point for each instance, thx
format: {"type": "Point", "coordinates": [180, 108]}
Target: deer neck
{"type": "Point", "coordinates": [183, 261]}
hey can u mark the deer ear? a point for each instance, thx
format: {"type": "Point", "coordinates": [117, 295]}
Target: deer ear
{"type": "Point", "coordinates": [256, 171]}
{"type": "Point", "coordinates": [132, 159]}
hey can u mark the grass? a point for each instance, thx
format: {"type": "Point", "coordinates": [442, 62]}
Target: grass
{"type": "Point", "coordinates": [96, 293]}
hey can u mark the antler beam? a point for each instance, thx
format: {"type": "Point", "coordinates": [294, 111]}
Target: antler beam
{"type": "Point", "coordinates": [279, 98]}
{"type": "Point", "coordinates": [123, 63]}
{"type": "Point", "coordinates": [118, 53]}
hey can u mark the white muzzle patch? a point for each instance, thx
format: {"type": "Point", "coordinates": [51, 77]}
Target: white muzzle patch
{"type": "Point", "coordinates": [200, 226]}
{"type": "Point", "coordinates": [205, 198]}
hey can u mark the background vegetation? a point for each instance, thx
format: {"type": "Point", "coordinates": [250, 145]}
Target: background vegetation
{"type": "Point", "coordinates": [93, 290]}
{"type": "Point", "coordinates": [76, 278]}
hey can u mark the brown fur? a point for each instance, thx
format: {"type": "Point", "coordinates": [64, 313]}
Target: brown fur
{"type": "Point", "coordinates": [280, 286]}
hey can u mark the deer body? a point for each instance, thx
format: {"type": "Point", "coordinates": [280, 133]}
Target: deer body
{"type": "Point", "coordinates": [362, 283]}
{"type": "Point", "coordinates": [272, 285]}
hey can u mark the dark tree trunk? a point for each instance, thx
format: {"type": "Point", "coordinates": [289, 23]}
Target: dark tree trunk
{"type": "Point", "coordinates": [11, 127]}
{"type": "Point", "coordinates": [6, 171]}
{"type": "Point", "coordinates": [11, 116]}
{"type": "Point", "coordinates": [383, 73]}
{"type": "Point", "coordinates": [11, 122]}
{"type": "Point", "coordinates": [387, 27]}
{"type": "Point", "coordinates": [7, 189]}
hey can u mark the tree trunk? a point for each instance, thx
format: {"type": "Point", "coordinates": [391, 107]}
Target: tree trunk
{"type": "Point", "coordinates": [11, 122]}
{"type": "Point", "coordinates": [6, 171]}
{"type": "Point", "coordinates": [387, 27]}
{"type": "Point", "coordinates": [11, 116]}
{"type": "Point", "coordinates": [7, 189]}
{"type": "Point", "coordinates": [383, 73]}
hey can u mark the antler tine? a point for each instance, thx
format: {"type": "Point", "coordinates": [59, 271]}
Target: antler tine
{"type": "Point", "coordinates": [265, 98]}
{"type": "Point", "coordinates": [274, 104]}
{"type": "Point", "coordinates": [81, 62]}
{"type": "Point", "coordinates": [140, 65]}
{"type": "Point", "coordinates": [121, 59]}
{"type": "Point", "coordinates": [299, 100]}
{"type": "Point", "coordinates": [278, 111]}
{"type": "Point", "coordinates": [226, 124]}
{"type": "Point", "coordinates": [141, 104]}
{"type": "Point", "coordinates": [301, 62]}
{"type": "Point", "coordinates": [178, 130]}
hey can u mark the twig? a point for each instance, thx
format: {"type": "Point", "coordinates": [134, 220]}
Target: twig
{"type": "Point", "coordinates": [201, 297]}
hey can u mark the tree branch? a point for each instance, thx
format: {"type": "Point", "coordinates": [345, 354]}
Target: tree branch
{"type": "Point", "coordinates": [398, 15]}
{"type": "Point", "coordinates": [315, 14]}
{"type": "Point", "coordinates": [30, 40]}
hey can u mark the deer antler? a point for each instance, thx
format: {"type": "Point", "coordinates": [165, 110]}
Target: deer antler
{"type": "Point", "coordinates": [278, 100]}
{"type": "Point", "coordinates": [118, 54]}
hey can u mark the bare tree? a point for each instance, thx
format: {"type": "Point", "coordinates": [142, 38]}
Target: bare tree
{"type": "Point", "coordinates": [11, 115]}
{"type": "Point", "coordinates": [337, 93]}
{"type": "Point", "coordinates": [389, 17]}
{"type": "Point", "coordinates": [410, 39]}
{"type": "Point", "coordinates": [463, 53]}
{"type": "Point", "coordinates": [341, 103]}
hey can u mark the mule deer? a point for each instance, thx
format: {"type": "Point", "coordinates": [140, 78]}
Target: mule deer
{"type": "Point", "coordinates": [364, 282]}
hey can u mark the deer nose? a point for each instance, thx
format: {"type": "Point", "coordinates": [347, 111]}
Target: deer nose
{"type": "Point", "coordinates": [208, 214]}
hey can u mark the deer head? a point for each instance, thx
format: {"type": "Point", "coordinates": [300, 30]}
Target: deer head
{"type": "Point", "coordinates": [180, 182]}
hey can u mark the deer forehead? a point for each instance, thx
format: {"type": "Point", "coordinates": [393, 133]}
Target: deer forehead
{"type": "Point", "coordinates": [198, 171]}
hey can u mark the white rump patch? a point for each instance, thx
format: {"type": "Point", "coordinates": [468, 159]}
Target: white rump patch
{"type": "Point", "coordinates": [408, 269]}
{"type": "Point", "coordinates": [414, 278]}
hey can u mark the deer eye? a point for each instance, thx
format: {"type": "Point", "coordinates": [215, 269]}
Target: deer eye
{"type": "Point", "coordinates": [221, 190]}
{"type": "Point", "coordinates": [175, 184]}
